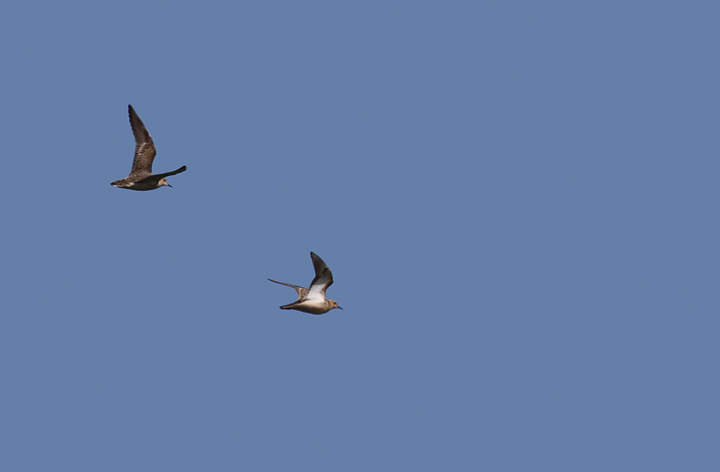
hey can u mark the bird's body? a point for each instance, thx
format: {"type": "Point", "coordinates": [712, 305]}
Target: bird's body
{"type": "Point", "coordinates": [141, 176]}
{"type": "Point", "coordinates": [148, 183]}
{"type": "Point", "coordinates": [312, 300]}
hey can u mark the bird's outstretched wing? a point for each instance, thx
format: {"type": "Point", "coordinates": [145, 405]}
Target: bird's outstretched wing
{"type": "Point", "coordinates": [144, 146]}
{"type": "Point", "coordinates": [301, 291]}
{"type": "Point", "coordinates": [323, 279]}
{"type": "Point", "coordinates": [177, 171]}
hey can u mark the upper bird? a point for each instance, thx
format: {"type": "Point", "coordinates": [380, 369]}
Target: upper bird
{"type": "Point", "coordinates": [313, 300]}
{"type": "Point", "coordinates": [141, 176]}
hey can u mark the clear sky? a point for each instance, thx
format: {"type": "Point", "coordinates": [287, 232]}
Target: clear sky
{"type": "Point", "coordinates": [518, 200]}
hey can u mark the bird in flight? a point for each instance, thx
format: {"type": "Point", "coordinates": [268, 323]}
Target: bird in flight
{"type": "Point", "coordinates": [141, 176]}
{"type": "Point", "coordinates": [313, 300]}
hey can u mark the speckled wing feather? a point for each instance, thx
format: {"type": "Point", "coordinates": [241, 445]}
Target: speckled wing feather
{"type": "Point", "coordinates": [144, 148]}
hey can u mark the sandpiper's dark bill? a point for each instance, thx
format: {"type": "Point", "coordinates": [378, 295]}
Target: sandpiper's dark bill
{"type": "Point", "coordinates": [141, 176]}
{"type": "Point", "coordinates": [313, 300]}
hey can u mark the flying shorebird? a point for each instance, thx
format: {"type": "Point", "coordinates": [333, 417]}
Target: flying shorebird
{"type": "Point", "coordinates": [313, 300]}
{"type": "Point", "coordinates": [141, 176]}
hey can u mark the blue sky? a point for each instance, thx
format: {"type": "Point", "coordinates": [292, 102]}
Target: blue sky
{"type": "Point", "coordinates": [518, 201]}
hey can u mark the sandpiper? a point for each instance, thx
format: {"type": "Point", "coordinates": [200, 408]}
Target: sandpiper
{"type": "Point", "coordinates": [141, 176]}
{"type": "Point", "coordinates": [313, 300]}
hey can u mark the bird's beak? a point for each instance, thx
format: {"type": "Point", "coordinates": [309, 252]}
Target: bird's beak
{"type": "Point", "coordinates": [340, 307]}
{"type": "Point", "coordinates": [170, 186]}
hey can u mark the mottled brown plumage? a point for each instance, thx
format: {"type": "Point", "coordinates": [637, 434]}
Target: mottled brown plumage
{"type": "Point", "coordinates": [141, 176]}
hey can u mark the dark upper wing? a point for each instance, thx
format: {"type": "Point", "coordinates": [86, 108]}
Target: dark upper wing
{"type": "Point", "coordinates": [144, 146]}
{"type": "Point", "coordinates": [323, 278]}
{"type": "Point", "coordinates": [177, 171]}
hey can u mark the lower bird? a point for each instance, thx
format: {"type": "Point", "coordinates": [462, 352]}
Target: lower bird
{"type": "Point", "coordinates": [313, 300]}
{"type": "Point", "coordinates": [141, 176]}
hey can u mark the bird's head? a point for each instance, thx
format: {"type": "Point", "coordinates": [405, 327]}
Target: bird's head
{"type": "Point", "coordinates": [163, 182]}
{"type": "Point", "coordinates": [333, 304]}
